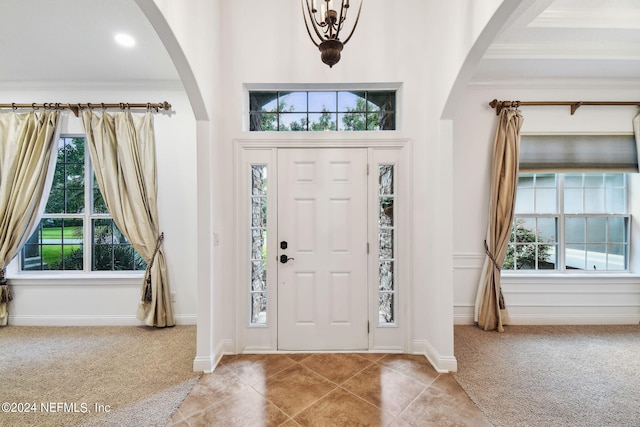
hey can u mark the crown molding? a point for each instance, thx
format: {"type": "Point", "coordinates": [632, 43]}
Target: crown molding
{"type": "Point", "coordinates": [60, 86]}
{"type": "Point", "coordinates": [618, 18]}
{"type": "Point", "coordinates": [559, 83]}
{"type": "Point", "coordinates": [562, 51]}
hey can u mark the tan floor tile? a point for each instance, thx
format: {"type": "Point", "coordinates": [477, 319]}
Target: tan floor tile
{"type": "Point", "coordinates": [385, 388]}
{"type": "Point", "coordinates": [182, 423]}
{"type": "Point", "coordinates": [443, 404]}
{"type": "Point", "coordinates": [177, 419]}
{"type": "Point", "coordinates": [412, 365]}
{"type": "Point", "coordinates": [284, 387]}
{"type": "Point", "coordinates": [341, 408]}
{"type": "Point", "coordinates": [336, 367]}
{"type": "Point", "coordinates": [211, 389]}
{"type": "Point", "coordinates": [254, 368]}
{"type": "Point", "coordinates": [374, 357]}
{"type": "Point", "coordinates": [294, 389]}
{"type": "Point", "coordinates": [298, 357]}
{"type": "Point", "coordinates": [246, 408]}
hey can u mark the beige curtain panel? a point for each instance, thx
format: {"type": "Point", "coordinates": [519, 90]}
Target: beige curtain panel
{"type": "Point", "coordinates": [27, 162]}
{"type": "Point", "coordinates": [122, 149]}
{"type": "Point", "coordinates": [490, 311]}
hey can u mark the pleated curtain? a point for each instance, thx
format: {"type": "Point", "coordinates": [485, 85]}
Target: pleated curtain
{"type": "Point", "coordinates": [490, 310]}
{"type": "Point", "coordinates": [122, 150]}
{"type": "Point", "coordinates": [27, 163]}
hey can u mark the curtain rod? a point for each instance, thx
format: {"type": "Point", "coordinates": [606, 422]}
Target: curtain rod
{"type": "Point", "coordinates": [499, 105]}
{"type": "Point", "coordinates": [77, 107]}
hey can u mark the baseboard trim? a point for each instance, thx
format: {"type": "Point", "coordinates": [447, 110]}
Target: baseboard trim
{"type": "Point", "coordinates": [89, 320]}
{"type": "Point", "coordinates": [208, 364]}
{"type": "Point", "coordinates": [555, 319]}
{"type": "Point", "coordinates": [203, 364]}
{"type": "Point", "coordinates": [572, 319]}
{"type": "Point", "coordinates": [442, 364]}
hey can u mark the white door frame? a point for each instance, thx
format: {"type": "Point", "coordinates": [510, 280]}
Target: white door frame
{"type": "Point", "coordinates": [263, 338]}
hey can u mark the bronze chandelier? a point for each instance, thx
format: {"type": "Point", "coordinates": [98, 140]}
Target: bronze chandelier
{"type": "Point", "coordinates": [327, 17]}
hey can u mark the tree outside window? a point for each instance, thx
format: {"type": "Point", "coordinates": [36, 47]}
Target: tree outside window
{"type": "Point", "coordinates": [76, 231]}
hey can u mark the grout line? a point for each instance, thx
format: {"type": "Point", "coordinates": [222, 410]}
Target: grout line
{"type": "Point", "coordinates": [374, 405]}
{"type": "Point", "coordinates": [415, 398]}
{"type": "Point", "coordinates": [217, 402]}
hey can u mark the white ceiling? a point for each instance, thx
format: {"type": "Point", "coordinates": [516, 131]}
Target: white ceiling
{"type": "Point", "coordinates": [569, 40]}
{"type": "Point", "coordinates": [72, 41]}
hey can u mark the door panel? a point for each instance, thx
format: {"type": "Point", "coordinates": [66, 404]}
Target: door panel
{"type": "Point", "coordinates": [322, 215]}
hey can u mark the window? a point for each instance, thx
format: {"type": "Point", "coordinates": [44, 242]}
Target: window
{"type": "Point", "coordinates": [386, 252]}
{"type": "Point", "coordinates": [76, 231]}
{"type": "Point", "coordinates": [322, 110]}
{"type": "Point", "coordinates": [258, 255]}
{"type": "Point", "coordinates": [573, 221]}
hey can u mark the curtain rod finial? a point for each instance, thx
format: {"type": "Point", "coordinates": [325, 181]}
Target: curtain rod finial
{"type": "Point", "coordinates": [498, 105]}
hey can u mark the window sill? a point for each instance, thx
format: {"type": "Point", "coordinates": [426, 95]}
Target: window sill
{"type": "Point", "coordinates": [78, 279]}
{"type": "Point", "coordinates": [570, 278]}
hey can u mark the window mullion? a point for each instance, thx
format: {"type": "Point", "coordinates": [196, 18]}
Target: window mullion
{"type": "Point", "coordinates": [561, 223]}
{"type": "Point", "coordinates": [87, 240]}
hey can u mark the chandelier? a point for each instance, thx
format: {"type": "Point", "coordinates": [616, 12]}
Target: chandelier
{"type": "Point", "coordinates": [327, 17]}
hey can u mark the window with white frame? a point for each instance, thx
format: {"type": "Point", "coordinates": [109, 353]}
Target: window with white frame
{"type": "Point", "coordinates": [570, 222]}
{"type": "Point", "coordinates": [76, 232]}
{"type": "Point", "coordinates": [572, 208]}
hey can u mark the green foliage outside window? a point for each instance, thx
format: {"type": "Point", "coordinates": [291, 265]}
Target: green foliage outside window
{"type": "Point", "coordinates": [525, 249]}
{"type": "Point", "coordinates": [348, 111]}
{"type": "Point", "coordinates": [59, 242]}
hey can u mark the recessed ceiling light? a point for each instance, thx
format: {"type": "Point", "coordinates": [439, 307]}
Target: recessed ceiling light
{"type": "Point", "coordinates": [125, 40]}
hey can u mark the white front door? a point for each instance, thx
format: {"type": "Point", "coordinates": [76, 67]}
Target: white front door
{"type": "Point", "coordinates": [322, 249]}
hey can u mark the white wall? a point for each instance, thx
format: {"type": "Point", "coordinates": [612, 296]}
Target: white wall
{"type": "Point", "coordinates": [420, 45]}
{"type": "Point", "coordinates": [83, 300]}
{"type": "Point", "coordinates": [555, 299]}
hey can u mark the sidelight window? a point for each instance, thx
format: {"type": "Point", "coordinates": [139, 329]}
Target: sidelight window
{"type": "Point", "coordinates": [386, 245]}
{"type": "Point", "coordinates": [258, 255]}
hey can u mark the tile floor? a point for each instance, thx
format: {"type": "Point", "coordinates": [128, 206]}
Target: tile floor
{"type": "Point", "coordinates": [327, 389]}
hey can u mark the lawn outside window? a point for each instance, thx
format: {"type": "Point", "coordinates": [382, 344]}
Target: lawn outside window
{"type": "Point", "coordinates": [76, 232]}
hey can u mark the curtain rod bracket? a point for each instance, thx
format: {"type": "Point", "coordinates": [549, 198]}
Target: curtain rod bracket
{"type": "Point", "coordinates": [574, 107]}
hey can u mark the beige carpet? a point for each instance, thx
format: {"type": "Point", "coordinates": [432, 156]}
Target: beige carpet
{"type": "Point", "coordinates": [552, 375]}
{"type": "Point", "coordinates": [94, 376]}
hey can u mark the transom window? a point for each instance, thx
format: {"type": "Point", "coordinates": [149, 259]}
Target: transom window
{"type": "Point", "coordinates": [564, 222]}
{"type": "Point", "coordinates": [76, 231]}
{"type": "Point", "coordinates": [322, 110]}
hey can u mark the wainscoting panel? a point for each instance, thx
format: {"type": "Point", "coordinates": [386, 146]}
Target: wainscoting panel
{"type": "Point", "coordinates": [550, 299]}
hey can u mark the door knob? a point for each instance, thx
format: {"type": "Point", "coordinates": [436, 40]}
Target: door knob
{"type": "Point", "coordinates": [284, 259]}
